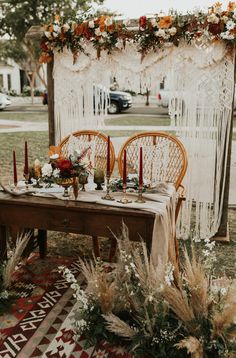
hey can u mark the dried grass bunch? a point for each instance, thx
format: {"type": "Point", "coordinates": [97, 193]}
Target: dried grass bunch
{"type": "Point", "coordinates": [7, 268]}
{"type": "Point", "coordinates": [152, 310]}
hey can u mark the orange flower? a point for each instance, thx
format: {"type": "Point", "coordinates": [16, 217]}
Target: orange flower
{"type": "Point", "coordinates": [50, 28]}
{"type": "Point", "coordinates": [110, 28]}
{"type": "Point", "coordinates": [79, 29]}
{"type": "Point", "coordinates": [45, 58]}
{"type": "Point", "coordinates": [218, 4]}
{"type": "Point", "coordinates": [57, 18]}
{"type": "Point", "coordinates": [102, 27]}
{"type": "Point", "coordinates": [53, 149]}
{"type": "Point", "coordinates": [165, 22]}
{"type": "Point", "coordinates": [231, 6]}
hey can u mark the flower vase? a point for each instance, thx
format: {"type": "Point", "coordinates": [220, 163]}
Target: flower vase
{"type": "Point", "coordinates": [65, 183]}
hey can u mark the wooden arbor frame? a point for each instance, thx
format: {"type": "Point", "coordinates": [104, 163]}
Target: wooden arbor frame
{"type": "Point", "coordinates": [35, 33]}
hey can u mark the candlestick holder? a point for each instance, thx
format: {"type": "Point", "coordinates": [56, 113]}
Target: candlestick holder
{"type": "Point", "coordinates": [27, 177]}
{"type": "Point", "coordinates": [124, 199]}
{"type": "Point", "coordinates": [140, 195]}
{"type": "Point", "coordinates": [108, 196]}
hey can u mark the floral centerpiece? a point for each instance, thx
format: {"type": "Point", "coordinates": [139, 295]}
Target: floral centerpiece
{"type": "Point", "coordinates": [63, 170]}
{"type": "Point", "coordinates": [132, 182]}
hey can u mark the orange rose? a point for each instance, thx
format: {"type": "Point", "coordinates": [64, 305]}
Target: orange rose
{"type": "Point", "coordinates": [165, 22]}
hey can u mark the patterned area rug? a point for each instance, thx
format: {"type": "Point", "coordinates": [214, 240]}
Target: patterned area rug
{"type": "Point", "coordinates": [39, 324]}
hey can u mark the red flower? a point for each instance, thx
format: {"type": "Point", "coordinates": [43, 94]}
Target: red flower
{"type": "Point", "coordinates": [65, 165]}
{"type": "Point", "coordinates": [215, 29]}
{"type": "Point", "coordinates": [43, 46]}
{"type": "Point", "coordinates": [143, 21]}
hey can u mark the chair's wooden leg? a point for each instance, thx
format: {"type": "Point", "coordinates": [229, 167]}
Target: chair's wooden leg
{"type": "Point", "coordinates": [112, 249]}
{"type": "Point", "coordinates": [42, 242]}
{"type": "Point", "coordinates": [96, 248]}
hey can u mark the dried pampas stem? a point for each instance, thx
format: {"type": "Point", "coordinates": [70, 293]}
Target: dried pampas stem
{"type": "Point", "coordinates": [192, 345]}
{"type": "Point", "coordinates": [13, 261]}
{"type": "Point", "coordinates": [116, 325]}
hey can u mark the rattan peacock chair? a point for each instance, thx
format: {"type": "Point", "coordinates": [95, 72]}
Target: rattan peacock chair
{"type": "Point", "coordinates": [164, 159]}
{"type": "Point", "coordinates": [100, 158]}
{"type": "Point", "coordinates": [100, 148]}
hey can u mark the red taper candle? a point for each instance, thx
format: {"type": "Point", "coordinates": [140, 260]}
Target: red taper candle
{"type": "Point", "coordinates": [124, 168]}
{"type": "Point", "coordinates": [141, 166]}
{"type": "Point", "coordinates": [26, 167]}
{"type": "Point", "coordinates": [14, 168]}
{"type": "Point", "coordinates": [108, 157]}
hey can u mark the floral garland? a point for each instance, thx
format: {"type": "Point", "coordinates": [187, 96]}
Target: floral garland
{"type": "Point", "coordinates": [152, 33]}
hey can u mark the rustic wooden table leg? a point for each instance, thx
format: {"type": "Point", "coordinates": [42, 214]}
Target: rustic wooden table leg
{"type": "Point", "coordinates": [42, 241]}
{"type": "Point", "coordinates": [96, 247]}
{"type": "Point", "coordinates": [3, 243]}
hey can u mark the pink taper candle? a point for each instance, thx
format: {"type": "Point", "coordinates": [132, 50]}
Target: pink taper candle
{"type": "Point", "coordinates": [141, 167]}
{"type": "Point", "coordinates": [14, 168]}
{"type": "Point", "coordinates": [26, 167]}
{"type": "Point", "coordinates": [124, 168]}
{"type": "Point", "coordinates": [108, 157]}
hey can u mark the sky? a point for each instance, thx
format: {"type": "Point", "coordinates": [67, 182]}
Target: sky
{"type": "Point", "coordinates": [136, 8]}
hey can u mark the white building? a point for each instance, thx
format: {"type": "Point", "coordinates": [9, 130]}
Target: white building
{"type": "Point", "coordinates": [11, 77]}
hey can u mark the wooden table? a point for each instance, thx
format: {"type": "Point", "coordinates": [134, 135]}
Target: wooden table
{"type": "Point", "coordinates": [33, 212]}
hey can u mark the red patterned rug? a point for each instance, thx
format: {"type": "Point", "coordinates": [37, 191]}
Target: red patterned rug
{"type": "Point", "coordinates": [38, 324]}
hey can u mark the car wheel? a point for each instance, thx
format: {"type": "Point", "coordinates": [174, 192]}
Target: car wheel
{"type": "Point", "coordinates": [113, 108]}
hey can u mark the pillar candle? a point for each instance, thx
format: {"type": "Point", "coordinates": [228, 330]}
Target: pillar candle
{"type": "Point", "coordinates": [141, 167]}
{"type": "Point", "coordinates": [108, 156]}
{"type": "Point", "coordinates": [26, 167]}
{"type": "Point", "coordinates": [14, 168]}
{"type": "Point", "coordinates": [124, 168]}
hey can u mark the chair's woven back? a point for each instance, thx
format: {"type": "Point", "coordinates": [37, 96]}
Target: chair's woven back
{"type": "Point", "coordinates": [99, 147]}
{"type": "Point", "coordinates": [164, 157]}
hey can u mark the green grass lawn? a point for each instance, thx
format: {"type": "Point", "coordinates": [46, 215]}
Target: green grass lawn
{"type": "Point", "coordinates": [132, 120]}
{"type": "Point", "coordinates": [25, 116]}
{"type": "Point", "coordinates": [37, 147]}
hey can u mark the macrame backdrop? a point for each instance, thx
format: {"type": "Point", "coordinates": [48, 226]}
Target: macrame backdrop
{"type": "Point", "coordinates": [201, 83]}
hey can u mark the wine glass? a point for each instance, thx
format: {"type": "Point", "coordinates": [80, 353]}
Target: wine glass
{"type": "Point", "coordinates": [98, 178]}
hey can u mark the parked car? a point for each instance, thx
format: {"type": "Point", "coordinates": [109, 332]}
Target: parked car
{"type": "Point", "coordinates": [119, 101]}
{"type": "Point", "coordinates": [4, 101]}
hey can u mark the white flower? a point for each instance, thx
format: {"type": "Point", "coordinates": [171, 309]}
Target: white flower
{"type": "Point", "coordinates": [154, 22]}
{"type": "Point", "coordinates": [55, 34]}
{"type": "Point", "coordinates": [56, 173]}
{"type": "Point", "coordinates": [104, 34]}
{"type": "Point", "coordinates": [230, 25]}
{"type": "Point", "coordinates": [37, 163]}
{"type": "Point", "coordinates": [119, 44]}
{"type": "Point", "coordinates": [54, 156]}
{"type": "Point", "coordinates": [4, 294]}
{"type": "Point", "coordinates": [97, 32]}
{"type": "Point", "coordinates": [47, 170]}
{"type": "Point", "coordinates": [66, 27]}
{"type": "Point", "coordinates": [85, 162]}
{"type": "Point", "coordinates": [213, 19]}
{"type": "Point", "coordinates": [55, 28]}
{"type": "Point", "coordinates": [91, 24]}
{"type": "Point", "coordinates": [225, 18]}
{"type": "Point", "coordinates": [160, 33]}
{"type": "Point", "coordinates": [234, 15]}
{"type": "Point", "coordinates": [47, 34]}
{"type": "Point", "coordinates": [172, 31]}
{"type": "Point", "coordinates": [227, 35]}
{"type": "Point", "coordinates": [108, 21]}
